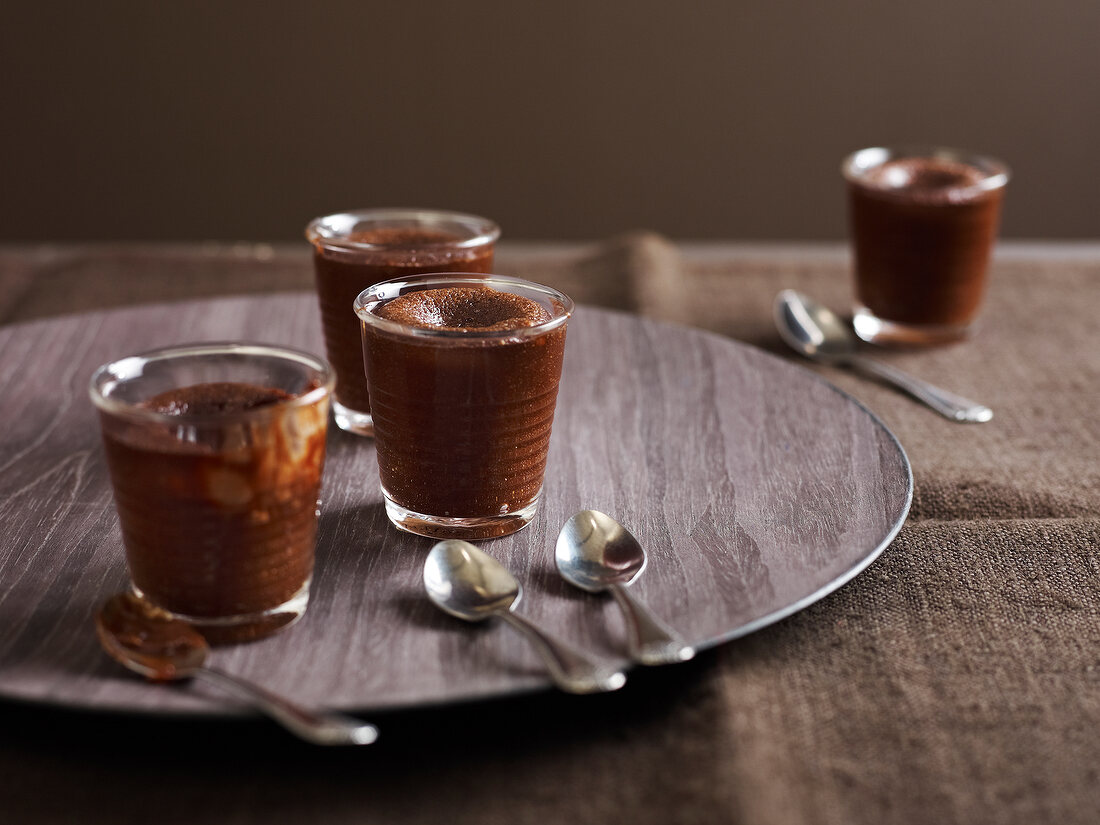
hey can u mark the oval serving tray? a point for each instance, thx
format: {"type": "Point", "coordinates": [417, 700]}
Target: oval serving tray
{"type": "Point", "coordinates": [755, 486]}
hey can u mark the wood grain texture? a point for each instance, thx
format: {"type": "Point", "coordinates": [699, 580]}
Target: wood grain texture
{"type": "Point", "coordinates": [755, 486]}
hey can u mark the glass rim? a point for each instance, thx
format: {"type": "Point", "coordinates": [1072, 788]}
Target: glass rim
{"type": "Point", "coordinates": [385, 291]}
{"type": "Point", "coordinates": [321, 231]}
{"type": "Point", "coordinates": [996, 172]}
{"type": "Point", "coordinates": [114, 372]}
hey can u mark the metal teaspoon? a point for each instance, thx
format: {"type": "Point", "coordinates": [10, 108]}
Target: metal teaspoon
{"type": "Point", "coordinates": [816, 332]}
{"type": "Point", "coordinates": [165, 649]}
{"type": "Point", "coordinates": [469, 584]}
{"type": "Point", "coordinates": [595, 553]}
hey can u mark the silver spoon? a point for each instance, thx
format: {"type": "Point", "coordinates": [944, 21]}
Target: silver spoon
{"type": "Point", "coordinates": [472, 585]}
{"type": "Point", "coordinates": [164, 649]}
{"type": "Point", "coordinates": [596, 553]}
{"type": "Point", "coordinates": [814, 331]}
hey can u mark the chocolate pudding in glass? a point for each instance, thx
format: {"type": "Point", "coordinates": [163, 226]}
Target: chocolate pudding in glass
{"type": "Point", "coordinates": [923, 222]}
{"type": "Point", "coordinates": [352, 250]}
{"type": "Point", "coordinates": [463, 374]}
{"type": "Point", "coordinates": [215, 453]}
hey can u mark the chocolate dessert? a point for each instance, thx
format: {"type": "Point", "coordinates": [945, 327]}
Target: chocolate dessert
{"type": "Point", "coordinates": [925, 180]}
{"type": "Point", "coordinates": [217, 496]}
{"type": "Point", "coordinates": [216, 398]}
{"type": "Point", "coordinates": [923, 229]}
{"type": "Point", "coordinates": [464, 309]}
{"type": "Point", "coordinates": [343, 271]}
{"type": "Point", "coordinates": [463, 414]}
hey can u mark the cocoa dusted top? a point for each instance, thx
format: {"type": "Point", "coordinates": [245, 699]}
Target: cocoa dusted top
{"type": "Point", "coordinates": [216, 398]}
{"type": "Point", "coordinates": [927, 180]}
{"type": "Point", "coordinates": [464, 309]}
{"type": "Point", "coordinates": [403, 236]}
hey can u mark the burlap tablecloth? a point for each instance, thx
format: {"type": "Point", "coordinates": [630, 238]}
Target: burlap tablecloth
{"type": "Point", "coordinates": [956, 680]}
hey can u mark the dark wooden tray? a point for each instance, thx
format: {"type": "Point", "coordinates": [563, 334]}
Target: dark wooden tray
{"type": "Point", "coordinates": [756, 487]}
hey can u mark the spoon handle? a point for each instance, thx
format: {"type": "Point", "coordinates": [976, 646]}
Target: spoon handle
{"type": "Point", "coordinates": [318, 728]}
{"type": "Point", "coordinates": [945, 403]}
{"type": "Point", "coordinates": [651, 641]}
{"type": "Point", "coordinates": [570, 669]}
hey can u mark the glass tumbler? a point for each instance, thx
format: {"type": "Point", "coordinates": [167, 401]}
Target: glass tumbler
{"type": "Point", "coordinates": [463, 398]}
{"type": "Point", "coordinates": [923, 222]}
{"type": "Point", "coordinates": [352, 250]}
{"type": "Point", "coordinates": [215, 453]}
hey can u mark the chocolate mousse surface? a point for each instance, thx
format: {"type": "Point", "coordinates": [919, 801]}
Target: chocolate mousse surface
{"type": "Point", "coordinates": [403, 236]}
{"type": "Point", "coordinates": [216, 398]}
{"type": "Point", "coordinates": [927, 180]}
{"type": "Point", "coordinates": [464, 309]}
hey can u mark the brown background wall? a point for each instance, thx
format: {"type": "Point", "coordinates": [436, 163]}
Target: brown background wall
{"type": "Point", "coordinates": [570, 119]}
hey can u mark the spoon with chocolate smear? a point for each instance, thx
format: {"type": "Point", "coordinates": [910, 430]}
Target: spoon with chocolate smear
{"type": "Point", "coordinates": [163, 649]}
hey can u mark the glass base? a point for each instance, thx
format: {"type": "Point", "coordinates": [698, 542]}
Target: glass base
{"type": "Point", "coordinates": [875, 330]}
{"type": "Point", "coordinates": [352, 421]}
{"type": "Point", "coordinates": [242, 628]}
{"type": "Point", "coordinates": [449, 527]}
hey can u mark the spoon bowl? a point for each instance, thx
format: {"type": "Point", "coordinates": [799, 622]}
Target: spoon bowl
{"type": "Point", "coordinates": [148, 641]}
{"type": "Point", "coordinates": [596, 553]}
{"type": "Point", "coordinates": [152, 643]}
{"type": "Point", "coordinates": [812, 328]}
{"type": "Point", "coordinates": [468, 583]}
